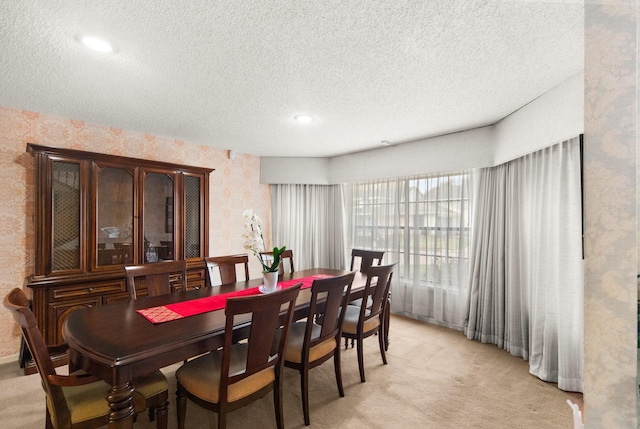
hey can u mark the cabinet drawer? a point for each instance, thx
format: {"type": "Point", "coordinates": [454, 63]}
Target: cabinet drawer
{"type": "Point", "coordinates": [195, 279]}
{"type": "Point", "coordinates": [195, 275]}
{"type": "Point", "coordinates": [58, 312]}
{"type": "Point", "coordinates": [115, 297]}
{"type": "Point", "coordinates": [78, 291]}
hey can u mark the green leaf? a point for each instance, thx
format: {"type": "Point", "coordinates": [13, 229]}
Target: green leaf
{"type": "Point", "coordinates": [277, 252]}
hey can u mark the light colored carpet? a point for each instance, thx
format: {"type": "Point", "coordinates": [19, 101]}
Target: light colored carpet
{"type": "Point", "coordinates": [435, 378]}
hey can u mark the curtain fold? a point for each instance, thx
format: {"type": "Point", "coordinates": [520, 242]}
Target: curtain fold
{"type": "Point", "coordinates": [526, 284]}
{"type": "Point", "coordinates": [487, 258]}
{"type": "Point", "coordinates": [309, 220]}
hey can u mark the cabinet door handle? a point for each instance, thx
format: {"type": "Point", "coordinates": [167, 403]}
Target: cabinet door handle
{"type": "Point", "coordinates": [197, 288]}
{"type": "Point", "coordinates": [90, 289]}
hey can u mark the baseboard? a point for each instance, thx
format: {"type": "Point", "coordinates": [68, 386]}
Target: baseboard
{"type": "Point", "coordinates": [9, 359]}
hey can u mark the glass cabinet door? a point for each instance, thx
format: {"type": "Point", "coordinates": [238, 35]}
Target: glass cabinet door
{"type": "Point", "coordinates": [114, 213]}
{"type": "Point", "coordinates": [192, 217]}
{"type": "Point", "coordinates": [66, 206]}
{"type": "Point", "coordinates": [158, 215]}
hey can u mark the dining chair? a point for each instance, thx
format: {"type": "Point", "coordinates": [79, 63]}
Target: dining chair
{"type": "Point", "coordinates": [239, 373]}
{"type": "Point", "coordinates": [366, 259]}
{"type": "Point", "coordinates": [286, 255]}
{"type": "Point", "coordinates": [123, 253]}
{"type": "Point", "coordinates": [362, 321]}
{"type": "Point", "coordinates": [224, 267]}
{"type": "Point", "coordinates": [314, 341]}
{"type": "Point", "coordinates": [362, 260]}
{"type": "Point", "coordinates": [159, 278]}
{"type": "Point", "coordinates": [78, 400]}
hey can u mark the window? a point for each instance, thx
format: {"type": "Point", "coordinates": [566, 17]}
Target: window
{"type": "Point", "coordinates": [422, 222]}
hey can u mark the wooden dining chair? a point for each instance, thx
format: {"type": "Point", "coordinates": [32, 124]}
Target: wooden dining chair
{"type": "Point", "coordinates": [314, 341]}
{"type": "Point", "coordinates": [366, 259]}
{"type": "Point", "coordinates": [224, 267]}
{"type": "Point", "coordinates": [362, 260]}
{"type": "Point", "coordinates": [79, 400]}
{"type": "Point", "coordinates": [159, 278]}
{"type": "Point", "coordinates": [362, 321]}
{"type": "Point", "coordinates": [286, 255]}
{"type": "Point", "coordinates": [239, 373]}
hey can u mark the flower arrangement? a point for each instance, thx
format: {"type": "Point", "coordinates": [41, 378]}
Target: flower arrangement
{"type": "Point", "coordinates": [254, 241]}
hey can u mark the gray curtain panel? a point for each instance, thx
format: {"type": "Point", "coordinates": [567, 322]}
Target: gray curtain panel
{"type": "Point", "coordinates": [526, 288]}
{"type": "Point", "coordinates": [309, 220]}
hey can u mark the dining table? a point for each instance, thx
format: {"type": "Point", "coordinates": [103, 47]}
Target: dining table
{"type": "Point", "coordinates": [117, 343]}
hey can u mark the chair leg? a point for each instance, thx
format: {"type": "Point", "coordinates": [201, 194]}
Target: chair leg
{"type": "Point", "coordinates": [152, 413]}
{"type": "Point", "coordinates": [346, 343]}
{"type": "Point", "coordinates": [48, 424]}
{"type": "Point", "coordinates": [277, 401]}
{"type": "Point", "coordinates": [338, 370]}
{"type": "Point", "coordinates": [304, 388]}
{"type": "Point", "coordinates": [361, 358]}
{"type": "Point", "coordinates": [181, 406]}
{"type": "Point", "coordinates": [222, 416]}
{"type": "Point", "coordinates": [162, 411]}
{"type": "Point", "coordinates": [382, 341]}
{"type": "Point", "coordinates": [387, 317]}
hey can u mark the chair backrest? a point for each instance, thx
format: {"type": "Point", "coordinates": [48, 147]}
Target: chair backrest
{"type": "Point", "coordinates": [17, 302]}
{"type": "Point", "coordinates": [160, 278]}
{"type": "Point", "coordinates": [328, 298]}
{"type": "Point", "coordinates": [123, 253]}
{"type": "Point", "coordinates": [265, 313]}
{"type": "Point", "coordinates": [286, 255]}
{"type": "Point", "coordinates": [226, 267]}
{"type": "Point", "coordinates": [367, 258]}
{"type": "Point", "coordinates": [377, 295]}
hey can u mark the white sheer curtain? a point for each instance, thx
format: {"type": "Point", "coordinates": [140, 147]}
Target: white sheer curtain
{"type": "Point", "coordinates": [526, 285]}
{"type": "Point", "coordinates": [308, 219]}
{"type": "Point", "coordinates": [421, 222]}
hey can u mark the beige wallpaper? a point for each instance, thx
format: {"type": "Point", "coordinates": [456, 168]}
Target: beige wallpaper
{"type": "Point", "coordinates": [234, 187]}
{"type": "Point", "coordinates": [611, 111]}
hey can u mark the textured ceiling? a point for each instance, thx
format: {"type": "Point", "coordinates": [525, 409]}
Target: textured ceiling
{"type": "Point", "coordinates": [232, 74]}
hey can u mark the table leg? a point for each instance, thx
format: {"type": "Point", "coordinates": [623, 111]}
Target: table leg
{"type": "Point", "coordinates": [120, 400]}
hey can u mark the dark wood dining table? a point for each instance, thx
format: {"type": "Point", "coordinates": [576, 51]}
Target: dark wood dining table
{"type": "Point", "coordinates": [117, 344]}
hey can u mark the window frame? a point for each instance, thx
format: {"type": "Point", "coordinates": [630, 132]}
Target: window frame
{"type": "Point", "coordinates": [402, 197]}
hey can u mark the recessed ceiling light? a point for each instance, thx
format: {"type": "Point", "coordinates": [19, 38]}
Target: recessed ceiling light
{"type": "Point", "coordinates": [303, 119]}
{"type": "Point", "coordinates": [96, 44]}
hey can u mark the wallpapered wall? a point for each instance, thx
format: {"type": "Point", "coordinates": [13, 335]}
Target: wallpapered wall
{"type": "Point", "coordinates": [234, 187]}
{"type": "Point", "coordinates": [610, 168]}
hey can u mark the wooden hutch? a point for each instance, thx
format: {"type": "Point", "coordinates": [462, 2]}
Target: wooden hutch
{"type": "Point", "coordinates": [95, 213]}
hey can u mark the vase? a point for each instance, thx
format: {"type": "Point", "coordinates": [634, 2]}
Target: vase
{"type": "Point", "coordinates": [270, 281]}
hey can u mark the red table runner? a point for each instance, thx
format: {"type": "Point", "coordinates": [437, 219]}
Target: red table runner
{"type": "Point", "coordinates": [169, 312]}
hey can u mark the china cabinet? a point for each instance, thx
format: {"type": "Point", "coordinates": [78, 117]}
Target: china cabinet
{"type": "Point", "coordinates": [95, 213]}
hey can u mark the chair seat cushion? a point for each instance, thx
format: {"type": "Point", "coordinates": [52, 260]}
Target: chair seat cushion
{"type": "Point", "coordinates": [201, 376]}
{"type": "Point", "coordinates": [85, 402]}
{"type": "Point", "coordinates": [89, 401]}
{"type": "Point", "coordinates": [152, 384]}
{"type": "Point", "coordinates": [295, 340]}
{"type": "Point", "coordinates": [350, 323]}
